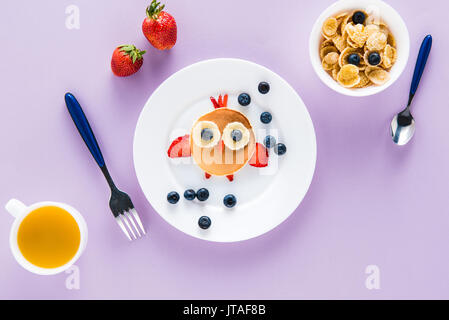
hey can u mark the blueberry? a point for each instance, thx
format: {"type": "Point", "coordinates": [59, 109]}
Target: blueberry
{"type": "Point", "coordinates": [264, 87]}
{"type": "Point", "coordinates": [173, 197]}
{"type": "Point", "coordinates": [280, 149]}
{"type": "Point", "coordinates": [354, 59]}
{"type": "Point", "coordinates": [230, 201]}
{"type": "Point", "coordinates": [202, 194]}
{"type": "Point", "coordinates": [266, 117]}
{"type": "Point", "coordinates": [190, 194]}
{"type": "Point", "coordinates": [374, 58]}
{"type": "Point", "coordinates": [207, 134]}
{"type": "Point", "coordinates": [204, 222]}
{"type": "Point", "coordinates": [236, 135]}
{"type": "Point", "coordinates": [269, 142]}
{"type": "Point", "coordinates": [244, 99]}
{"type": "Point", "coordinates": [358, 17]}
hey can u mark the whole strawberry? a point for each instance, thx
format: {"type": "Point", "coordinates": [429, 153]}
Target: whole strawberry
{"type": "Point", "coordinates": [126, 60]}
{"type": "Point", "coordinates": [159, 27]}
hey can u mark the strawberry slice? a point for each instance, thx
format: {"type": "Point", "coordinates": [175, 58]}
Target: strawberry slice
{"type": "Point", "coordinates": [214, 102]}
{"type": "Point", "coordinates": [180, 147]}
{"type": "Point", "coordinates": [260, 157]}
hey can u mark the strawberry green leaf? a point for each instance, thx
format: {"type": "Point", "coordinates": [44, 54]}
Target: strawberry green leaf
{"type": "Point", "coordinates": [131, 51]}
{"type": "Point", "coordinates": [154, 9]}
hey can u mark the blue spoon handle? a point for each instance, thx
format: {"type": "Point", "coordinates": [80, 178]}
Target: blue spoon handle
{"type": "Point", "coordinates": [421, 63]}
{"type": "Point", "coordinates": [80, 120]}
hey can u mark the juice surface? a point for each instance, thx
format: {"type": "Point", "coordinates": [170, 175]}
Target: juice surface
{"type": "Point", "coordinates": [49, 237]}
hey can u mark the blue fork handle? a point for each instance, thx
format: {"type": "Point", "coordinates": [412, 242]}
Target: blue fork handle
{"type": "Point", "coordinates": [421, 63]}
{"type": "Point", "coordinates": [80, 120]}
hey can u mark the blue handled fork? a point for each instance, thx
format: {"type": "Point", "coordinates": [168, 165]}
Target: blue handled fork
{"type": "Point", "coordinates": [120, 203]}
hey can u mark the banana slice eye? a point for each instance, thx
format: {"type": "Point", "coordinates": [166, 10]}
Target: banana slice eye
{"type": "Point", "coordinates": [236, 136]}
{"type": "Point", "coordinates": [206, 134]}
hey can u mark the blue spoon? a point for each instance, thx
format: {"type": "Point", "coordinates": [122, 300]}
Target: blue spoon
{"type": "Point", "coordinates": [403, 125]}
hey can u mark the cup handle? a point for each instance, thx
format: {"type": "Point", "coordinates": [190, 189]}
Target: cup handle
{"type": "Point", "coordinates": [15, 207]}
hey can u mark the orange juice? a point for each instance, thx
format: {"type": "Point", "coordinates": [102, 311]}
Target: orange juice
{"type": "Point", "coordinates": [49, 237]}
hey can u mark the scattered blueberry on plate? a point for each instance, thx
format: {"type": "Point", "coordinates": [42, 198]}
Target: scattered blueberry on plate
{"type": "Point", "coordinates": [202, 194]}
{"type": "Point", "coordinates": [354, 59]}
{"type": "Point", "coordinates": [236, 135]}
{"type": "Point", "coordinates": [230, 201]}
{"type": "Point", "coordinates": [269, 142]}
{"type": "Point", "coordinates": [358, 17]}
{"type": "Point", "coordinates": [264, 87]}
{"type": "Point", "coordinates": [190, 194]}
{"type": "Point", "coordinates": [280, 149]}
{"type": "Point", "coordinates": [374, 58]}
{"type": "Point", "coordinates": [244, 99]}
{"type": "Point", "coordinates": [173, 197]}
{"type": "Point", "coordinates": [266, 117]}
{"type": "Point", "coordinates": [204, 222]}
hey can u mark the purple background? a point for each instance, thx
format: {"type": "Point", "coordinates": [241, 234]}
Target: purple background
{"type": "Point", "coordinates": [370, 202]}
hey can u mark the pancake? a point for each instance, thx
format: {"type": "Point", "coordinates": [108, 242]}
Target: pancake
{"type": "Point", "coordinates": [220, 160]}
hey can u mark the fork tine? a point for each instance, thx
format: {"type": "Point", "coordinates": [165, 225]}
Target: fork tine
{"type": "Point", "coordinates": [122, 226]}
{"type": "Point", "coordinates": [127, 224]}
{"type": "Point", "coordinates": [136, 216]}
{"type": "Point", "coordinates": [133, 223]}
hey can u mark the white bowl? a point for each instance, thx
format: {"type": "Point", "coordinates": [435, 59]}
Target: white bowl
{"type": "Point", "coordinates": [386, 13]}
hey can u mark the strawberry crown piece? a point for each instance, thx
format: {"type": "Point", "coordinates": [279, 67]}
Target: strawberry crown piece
{"type": "Point", "coordinates": [132, 51]}
{"type": "Point", "coordinates": [154, 9]}
{"type": "Point", "coordinates": [221, 103]}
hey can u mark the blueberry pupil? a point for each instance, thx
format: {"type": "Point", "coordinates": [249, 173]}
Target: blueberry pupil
{"type": "Point", "coordinates": [236, 135]}
{"type": "Point", "coordinates": [207, 134]}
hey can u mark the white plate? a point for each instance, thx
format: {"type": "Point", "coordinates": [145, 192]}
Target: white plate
{"type": "Point", "coordinates": [266, 196]}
